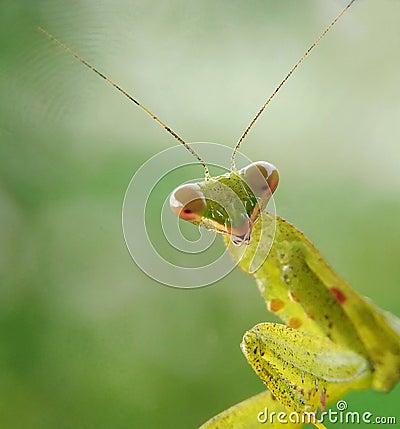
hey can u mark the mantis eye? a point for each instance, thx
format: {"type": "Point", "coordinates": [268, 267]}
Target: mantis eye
{"type": "Point", "coordinates": [188, 202]}
{"type": "Point", "coordinates": [262, 177]}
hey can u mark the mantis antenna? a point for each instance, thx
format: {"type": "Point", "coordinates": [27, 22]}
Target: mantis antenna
{"type": "Point", "coordinates": [302, 58]}
{"type": "Point", "coordinates": [145, 109]}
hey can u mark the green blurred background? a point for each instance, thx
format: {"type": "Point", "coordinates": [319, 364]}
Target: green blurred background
{"type": "Point", "coordinates": [88, 340]}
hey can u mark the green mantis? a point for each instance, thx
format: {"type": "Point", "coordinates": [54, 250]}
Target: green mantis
{"type": "Point", "coordinates": [333, 339]}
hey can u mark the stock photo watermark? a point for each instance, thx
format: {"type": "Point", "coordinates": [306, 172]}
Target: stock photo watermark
{"type": "Point", "coordinates": [340, 415]}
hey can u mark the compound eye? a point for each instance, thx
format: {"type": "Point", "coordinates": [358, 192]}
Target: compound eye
{"type": "Point", "coordinates": [262, 177]}
{"type": "Point", "coordinates": [188, 202]}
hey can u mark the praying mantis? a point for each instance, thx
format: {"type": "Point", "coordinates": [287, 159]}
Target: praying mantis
{"type": "Point", "coordinates": [333, 339]}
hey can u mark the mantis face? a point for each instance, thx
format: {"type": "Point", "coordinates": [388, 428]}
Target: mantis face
{"type": "Point", "coordinates": [229, 204]}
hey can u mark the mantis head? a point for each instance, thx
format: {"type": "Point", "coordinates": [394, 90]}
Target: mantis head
{"type": "Point", "coordinates": [229, 204]}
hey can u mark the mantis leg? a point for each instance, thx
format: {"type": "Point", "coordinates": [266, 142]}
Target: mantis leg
{"type": "Point", "coordinates": [252, 413]}
{"type": "Point", "coordinates": [301, 370]}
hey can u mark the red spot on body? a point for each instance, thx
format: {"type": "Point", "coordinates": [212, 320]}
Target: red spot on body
{"type": "Point", "coordinates": [294, 323]}
{"type": "Point", "coordinates": [338, 294]}
{"type": "Point", "coordinates": [275, 305]}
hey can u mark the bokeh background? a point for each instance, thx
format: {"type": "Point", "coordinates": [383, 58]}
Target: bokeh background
{"type": "Point", "coordinates": [88, 340]}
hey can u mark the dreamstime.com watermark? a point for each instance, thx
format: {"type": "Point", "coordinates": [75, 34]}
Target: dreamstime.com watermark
{"type": "Point", "coordinates": [341, 415]}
